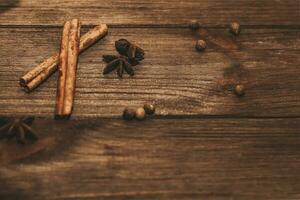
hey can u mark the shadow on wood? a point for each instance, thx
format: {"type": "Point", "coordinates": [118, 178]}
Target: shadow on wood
{"type": "Point", "coordinates": [185, 159]}
{"type": "Point", "coordinates": [6, 5]}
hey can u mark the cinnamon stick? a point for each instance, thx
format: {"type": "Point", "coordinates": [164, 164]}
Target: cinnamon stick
{"type": "Point", "coordinates": [73, 51]}
{"type": "Point", "coordinates": [62, 69]}
{"type": "Point", "coordinates": [40, 73]}
{"type": "Point", "coordinates": [68, 66]}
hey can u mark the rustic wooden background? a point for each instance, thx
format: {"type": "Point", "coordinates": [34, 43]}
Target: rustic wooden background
{"type": "Point", "coordinates": [204, 142]}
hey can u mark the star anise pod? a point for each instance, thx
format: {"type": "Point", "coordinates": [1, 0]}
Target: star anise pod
{"type": "Point", "coordinates": [130, 50]}
{"type": "Point", "coordinates": [19, 128]}
{"type": "Point", "coordinates": [121, 63]}
{"type": "Point", "coordinates": [129, 55]}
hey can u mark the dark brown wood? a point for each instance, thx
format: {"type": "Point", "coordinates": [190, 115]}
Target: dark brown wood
{"type": "Point", "coordinates": [204, 143]}
{"type": "Point", "coordinates": [174, 76]}
{"type": "Point", "coordinates": [151, 13]}
{"type": "Point", "coordinates": [185, 159]}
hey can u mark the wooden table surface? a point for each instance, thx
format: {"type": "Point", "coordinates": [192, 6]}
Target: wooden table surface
{"type": "Point", "coordinates": [203, 143]}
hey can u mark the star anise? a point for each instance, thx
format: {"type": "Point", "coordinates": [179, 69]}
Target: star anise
{"type": "Point", "coordinates": [19, 128]}
{"type": "Point", "coordinates": [129, 55]}
{"type": "Point", "coordinates": [130, 50]}
{"type": "Point", "coordinates": [121, 63]}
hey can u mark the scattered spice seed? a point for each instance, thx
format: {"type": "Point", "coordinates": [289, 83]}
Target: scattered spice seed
{"type": "Point", "coordinates": [18, 128]}
{"type": "Point", "coordinates": [200, 45]}
{"type": "Point", "coordinates": [194, 25]}
{"type": "Point", "coordinates": [235, 28]}
{"type": "Point", "coordinates": [128, 114]}
{"type": "Point", "coordinates": [239, 90]}
{"type": "Point", "coordinates": [149, 109]}
{"type": "Point", "coordinates": [140, 114]}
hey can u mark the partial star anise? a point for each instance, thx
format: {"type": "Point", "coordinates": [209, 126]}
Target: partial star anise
{"type": "Point", "coordinates": [18, 128]}
{"type": "Point", "coordinates": [130, 50]}
{"type": "Point", "coordinates": [121, 63]}
{"type": "Point", "coordinates": [129, 55]}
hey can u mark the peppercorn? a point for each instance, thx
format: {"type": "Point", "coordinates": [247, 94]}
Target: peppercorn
{"type": "Point", "coordinates": [200, 45]}
{"type": "Point", "coordinates": [194, 25]}
{"type": "Point", "coordinates": [128, 114]}
{"type": "Point", "coordinates": [149, 109]}
{"type": "Point", "coordinates": [140, 114]}
{"type": "Point", "coordinates": [235, 28]}
{"type": "Point", "coordinates": [239, 90]}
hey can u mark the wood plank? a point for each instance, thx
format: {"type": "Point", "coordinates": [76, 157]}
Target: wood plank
{"type": "Point", "coordinates": [152, 13]}
{"type": "Point", "coordinates": [179, 80]}
{"type": "Point", "coordinates": [185, 159]}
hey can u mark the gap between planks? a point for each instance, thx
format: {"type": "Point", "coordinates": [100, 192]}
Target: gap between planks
{"type": "Point", "coordinates": [152, 26]}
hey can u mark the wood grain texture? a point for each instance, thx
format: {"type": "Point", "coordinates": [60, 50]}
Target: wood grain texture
{"type": "Point", "coordinates": [204, 142]}
{"type": "Point", "coordinates": [151, 13]}
{"type": "Point", "coordinates": [185, 159]}
{"type": "Point", "coordinates": [179, 80]}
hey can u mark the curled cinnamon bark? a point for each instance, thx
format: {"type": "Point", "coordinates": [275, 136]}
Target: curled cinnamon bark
{"type": "Point", "coordinates": [67, 68]}
{"type": "Point", "coordinates": [62, 69]}
{"type": "Point", "coordinates": [40, 73]}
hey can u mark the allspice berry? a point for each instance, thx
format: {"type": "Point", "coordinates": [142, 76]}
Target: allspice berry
{"type": "Point", "coordinates": [149, 109]}
{"type": "Point", "coordinates": [200, 45]}
{"type": "Point", "coordinates": [239, 90]}
{"type": "Point", "coordinates": [140, 114]}
{"type": "Point", "coordinates": [128, 114]}
{"type": "Point", "coordinates": [194, 25]}
{"type": "Point", "coordinates": [235, 28]}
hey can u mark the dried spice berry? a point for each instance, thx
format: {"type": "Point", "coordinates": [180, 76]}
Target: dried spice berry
{"type": "Point", "coordinates": [149, 109]}
{"type": "Point", "coordinates": [128, 114]}
{"type": "Point", "coordinates": [18, 128]}
{"type": "Point", "coordinates": [235, 28]}
{"type": "Point", "coordinates": [239, 90]}
{"type": "Point", "coordinates": [194, 25]}
{"type": "Point", "coordinates": [140, 114]}
{"type": "Point", "coordinates": [200, 45]}
{"type": "Point", "coordinates": [130, 50]}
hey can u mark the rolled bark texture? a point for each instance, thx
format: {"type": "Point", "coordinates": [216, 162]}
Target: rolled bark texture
{"type": "Point", "coordinates": [62, 69]}
{"type": "Point", "coordinates": [36, 76]}
{"type": "Point", "coordinates": [68, 60]}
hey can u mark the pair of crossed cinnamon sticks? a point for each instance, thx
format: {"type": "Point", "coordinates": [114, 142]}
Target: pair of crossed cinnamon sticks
{"type": "Point", "coordinates": [66, 61]}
